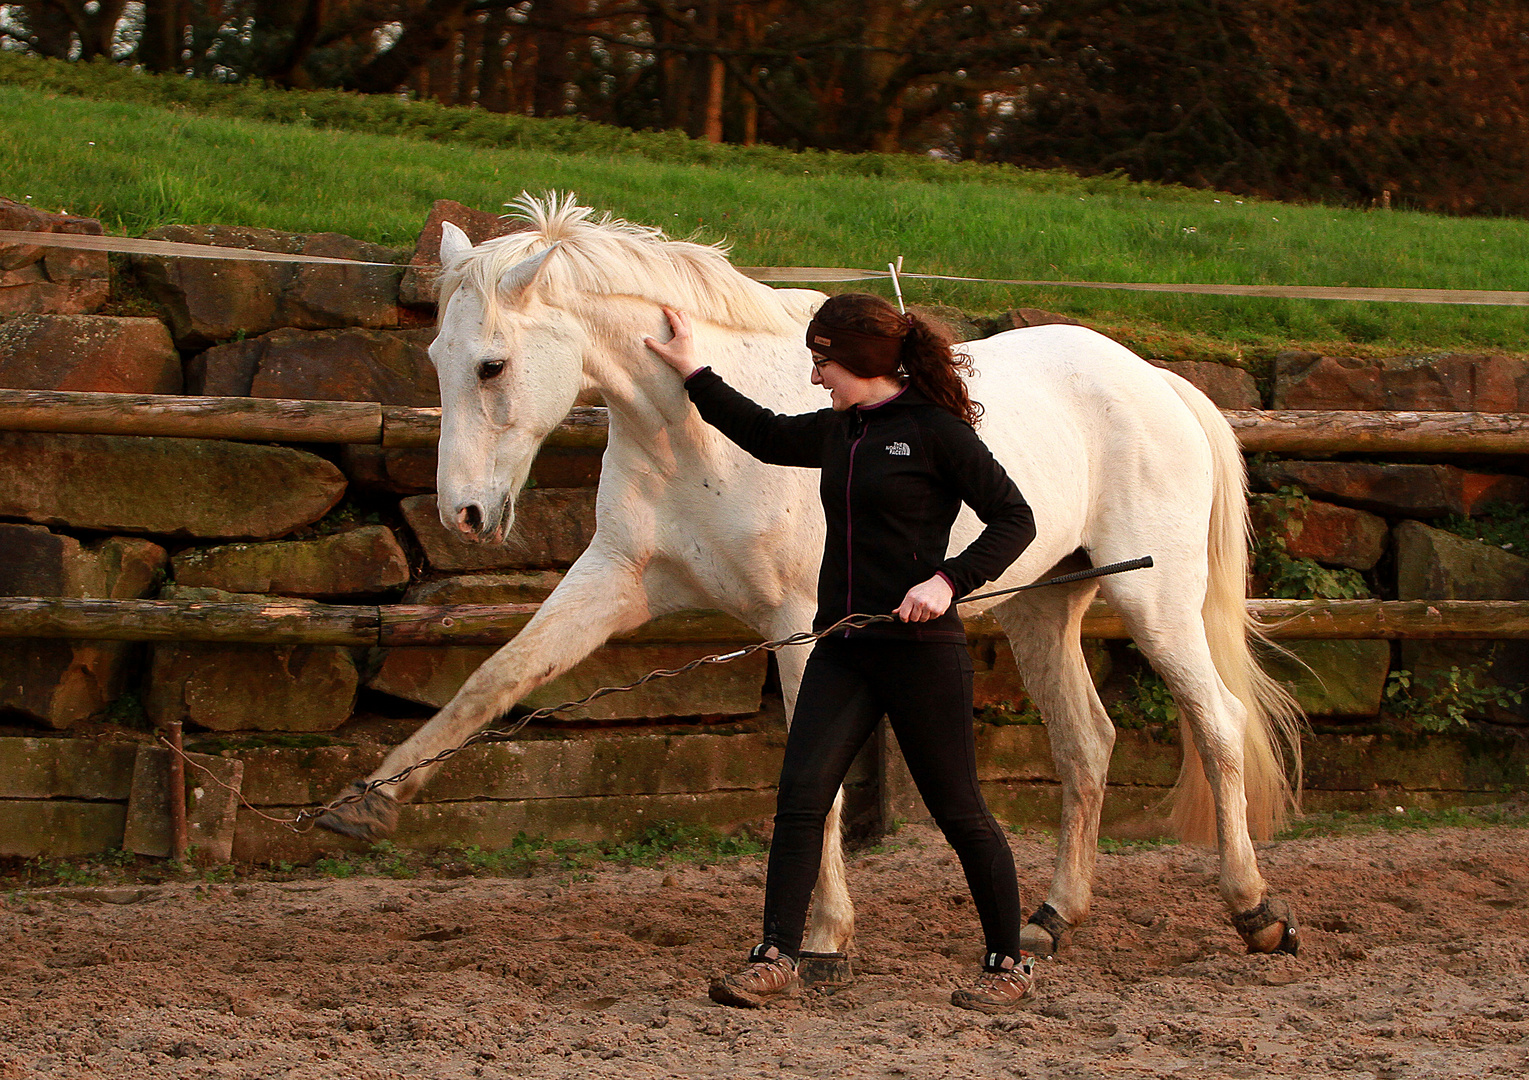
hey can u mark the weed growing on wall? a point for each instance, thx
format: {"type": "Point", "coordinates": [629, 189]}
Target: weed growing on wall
{"type": "Point", "coordinates": [684, 843]}
{"type": "Point", "coordinates": [1149, 705]}
{"type": "Point", "coordinates": [1006, 714]}
{"type": "Point", "coordinates": [127, 711]}
{"type": "Point", "coordinates": [1109, 845]}
{"type": "Point", "coordinates": [1305, 579]}
{"type": "Point", "coordinates": [1401, 818]}
{"type": "Point", "coordinates": [1287, 577]}
{"type": "Point", "coordinates": [1503, 525]}
{"type": "Point", "coordinates": [1441, 700]}
{"type": "Point", "coordinates": [661, 844]}
{"type": "Point", "coordinates": [89, 870]}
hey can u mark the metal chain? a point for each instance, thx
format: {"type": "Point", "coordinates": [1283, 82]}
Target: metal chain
{"type": "Point", "coordinates": [303, 821]}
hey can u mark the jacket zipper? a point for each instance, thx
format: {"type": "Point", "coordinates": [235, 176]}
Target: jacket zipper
{"type": "Point", "coordinates": [849, 526]}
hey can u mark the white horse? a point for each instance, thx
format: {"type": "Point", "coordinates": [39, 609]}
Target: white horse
{"type": "Point", "coordinates": [1116, 457]}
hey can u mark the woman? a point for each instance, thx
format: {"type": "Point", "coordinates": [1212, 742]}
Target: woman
{"type": "Point", "coordinates": [898, 456]}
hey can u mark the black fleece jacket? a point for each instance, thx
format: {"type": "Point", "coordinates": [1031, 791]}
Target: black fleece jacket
{"type": "Point", "coordinates": [894, 476]}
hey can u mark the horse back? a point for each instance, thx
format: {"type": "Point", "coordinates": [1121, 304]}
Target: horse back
{"type": "Point", "coordinates": [1087, 429]}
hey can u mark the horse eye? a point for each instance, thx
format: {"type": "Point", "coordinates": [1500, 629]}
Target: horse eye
{"type": "Point", "coordinates": [489, 369]}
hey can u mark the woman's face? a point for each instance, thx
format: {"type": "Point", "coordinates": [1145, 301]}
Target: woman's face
{"type": "Point", "coordinates": [845, 388]}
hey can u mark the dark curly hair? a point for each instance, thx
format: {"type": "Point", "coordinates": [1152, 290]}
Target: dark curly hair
{"type": "Point", "coordinates": [932, 367]}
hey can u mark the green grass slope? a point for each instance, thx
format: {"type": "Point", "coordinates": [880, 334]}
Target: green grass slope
{"type": "Point", "coordinates": [127, 149]}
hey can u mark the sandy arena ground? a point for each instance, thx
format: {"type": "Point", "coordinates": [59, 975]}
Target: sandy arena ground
{"type": "Point", "coordinates": [1415, 963]}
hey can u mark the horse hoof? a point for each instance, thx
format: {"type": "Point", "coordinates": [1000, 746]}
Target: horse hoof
{"type": "Point", "coordinates": [1269, 928]}
{"type": "Point", "coordinates": [1042, 935]}
{"type": "Point", "coordinates": [824, 971]}
{"type": "Point", "coordinates": [372, 817]}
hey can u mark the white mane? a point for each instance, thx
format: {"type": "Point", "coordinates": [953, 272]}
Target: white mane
{"type": "Point", "coordinates": [610, 257]}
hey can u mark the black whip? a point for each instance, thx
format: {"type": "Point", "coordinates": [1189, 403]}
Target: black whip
{"type": "Point", "coordinates": [1082, 575]}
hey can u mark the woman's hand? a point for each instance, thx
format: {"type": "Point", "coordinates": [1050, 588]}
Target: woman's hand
{"type": "Point", "coordinates": [678, 352]}
{"type": "Point", "coordinates": [926, 600]}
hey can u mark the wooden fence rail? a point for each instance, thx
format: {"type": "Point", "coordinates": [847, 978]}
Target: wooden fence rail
{"type": "Point", "coordinates": [306, 623]}
{"type": "Point", "coordinates": [278, 420]}
{"type": "Point", "coordinates": [71, 412]}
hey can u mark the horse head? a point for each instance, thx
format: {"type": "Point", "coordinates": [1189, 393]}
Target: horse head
{"type": "Point", "coordinates": [529, 320]}
{"type": "Point", "coordinates": [509, 367]}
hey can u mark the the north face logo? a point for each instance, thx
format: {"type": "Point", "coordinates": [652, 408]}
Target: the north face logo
{"type": "Point", "coordinates": [899, 449]}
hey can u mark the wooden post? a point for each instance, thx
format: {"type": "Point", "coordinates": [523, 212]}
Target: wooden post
{"type": "Point", "coordinates": [177, 792]}
{"type": "Point", "coordinates": [273, 622]}
{"type": "Point", "coordinates": [897, 797]}
{"type": "Point", "coordinates": [716, 83]}
{"type": "Point", "coordinates": [1338, 432]}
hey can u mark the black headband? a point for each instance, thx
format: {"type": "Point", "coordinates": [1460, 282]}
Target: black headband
{"type": "Point", "coordinates": [866, 355]}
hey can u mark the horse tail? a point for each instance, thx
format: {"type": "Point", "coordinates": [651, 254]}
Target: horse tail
{"type": "Point", "coordinates": [1273, 719]}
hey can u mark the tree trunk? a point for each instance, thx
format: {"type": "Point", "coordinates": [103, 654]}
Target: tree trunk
{"type": "Point", "coordinates": [289, 72]}
{"type": "Point", "coordinates": [493, 79]}
{"type": "Point", "coordinates": [470, 72]}
{"type": "Point", "coordinates": [100, 28]}
{"type": "Point", "coordinates": [159, 47]}
{"type": "Point", "coordinates": [554, 73]}
{"type": "Point", "coordinates": [672, 82]}
{"type": "Point", "coordinates": [52, 28]}
{"type": "Point", "coordinates": [750, 119]}
{"type": "Point", "coordinates": [716, 84]}
{"type": "Point", "coordinates": [446, 70]}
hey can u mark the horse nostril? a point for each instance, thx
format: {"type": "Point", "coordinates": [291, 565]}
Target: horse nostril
{"type": "Point", "coordinates": [469, 519]}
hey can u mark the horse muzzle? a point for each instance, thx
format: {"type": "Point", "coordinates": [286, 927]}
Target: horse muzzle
{"type": "Point", "coordinates": [468, 521]}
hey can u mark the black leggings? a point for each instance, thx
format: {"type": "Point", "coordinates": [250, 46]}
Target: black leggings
{"type": "Point", "coordinates": [925, 689]}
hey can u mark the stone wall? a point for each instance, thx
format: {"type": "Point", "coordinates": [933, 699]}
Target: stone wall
{"type": "Point", "coordinates": [117, 517]}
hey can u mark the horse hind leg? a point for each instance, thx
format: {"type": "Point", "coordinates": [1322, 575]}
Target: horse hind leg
{"type": "Point", "coordinates": [1043, 628]}
{"type": "Point", "coordinates": [1212, 797]}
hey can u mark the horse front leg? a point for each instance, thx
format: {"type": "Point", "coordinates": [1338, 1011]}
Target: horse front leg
{"type": "Point", "coordinates": [600, 597]}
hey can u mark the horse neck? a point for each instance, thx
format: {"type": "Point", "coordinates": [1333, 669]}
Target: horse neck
{"type": "Point", "coordinates": [648, 406]}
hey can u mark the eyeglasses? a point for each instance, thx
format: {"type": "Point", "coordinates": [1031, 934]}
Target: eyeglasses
{"type": "Point", "coordinates": [819, 361]}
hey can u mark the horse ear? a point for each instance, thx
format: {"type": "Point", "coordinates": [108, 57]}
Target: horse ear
{"type": "Point", "coordinates": [454, 243]}
{"type": "Point", "coordinates": [520, 277]}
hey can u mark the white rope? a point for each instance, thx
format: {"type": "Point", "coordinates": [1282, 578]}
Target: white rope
{"type": "Point", "coordinates": [132, 246]}
{"type": "Point", "coordinates": [824, 274]}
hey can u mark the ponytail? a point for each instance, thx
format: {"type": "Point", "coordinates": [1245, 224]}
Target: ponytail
{"type": "Point", "coordinates": [936, 370]}
{"type": "Point", "coordinates": [925, 352]}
